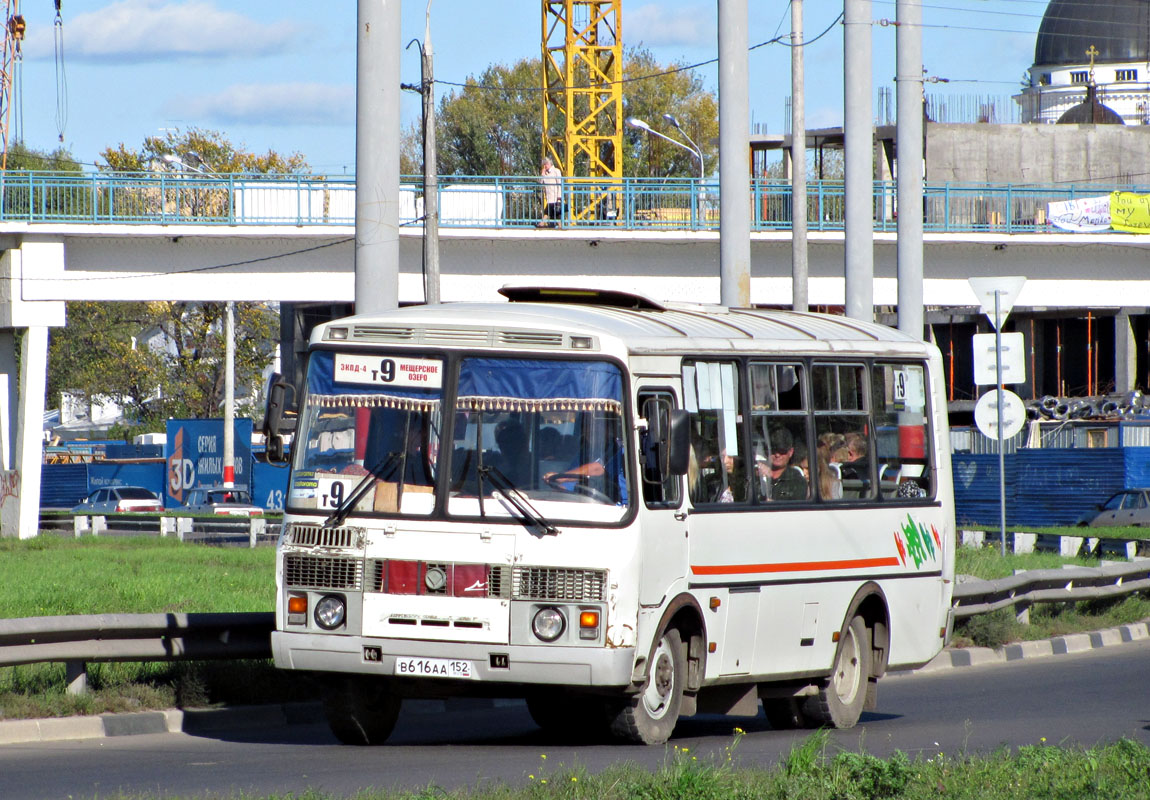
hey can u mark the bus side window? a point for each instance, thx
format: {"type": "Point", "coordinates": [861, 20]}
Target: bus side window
{"type": "Point", "coordinates": [902, 432]}
{"type": "Point", "coordinates": [712, 398]}
{"type": "Point", "coordinates": [780, 432]}
{"type": "Point", "coordinates": [843, 433]}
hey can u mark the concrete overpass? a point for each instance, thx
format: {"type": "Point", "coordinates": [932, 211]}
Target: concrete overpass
{"type": "Point", "coordinates": [44, 265]}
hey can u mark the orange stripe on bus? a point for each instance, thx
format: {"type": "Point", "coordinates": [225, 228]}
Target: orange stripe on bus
{"type": "Point", "coordinates": [797, 566]}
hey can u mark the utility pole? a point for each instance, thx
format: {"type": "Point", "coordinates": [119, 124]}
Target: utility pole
{"type": "Point", "coordinates": [230, 398]}
{"type": "Point", "coordinates": [799, 264]}
{"type": "Point", "coordinates": [377, 155]}
{"type": "Point", "coordinates": [430, 172]}
{"type": "Point", "coordinates": [734, 183]}
{"type": "Point", "coordinates": [858, 138]}
{"type": "Point", "coordinates": [908, 149]}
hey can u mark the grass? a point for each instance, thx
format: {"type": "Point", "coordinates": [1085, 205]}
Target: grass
{"type": "Point", "coordinates": [813, 772]}
{"type": "Point", "coordinates": [1047, 619]}
{"type": "Point", "coordinates": [54, 576]}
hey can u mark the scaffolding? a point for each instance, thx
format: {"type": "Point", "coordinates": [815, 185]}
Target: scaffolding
{"type": "Point", "coordinates": [583, 103]}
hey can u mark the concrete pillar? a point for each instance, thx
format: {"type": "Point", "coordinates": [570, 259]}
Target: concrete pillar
{"type": "Point", "coordinates": [23, 375]}
{"type": "Point", "coordinates": [22, 430]}
{"type": "Point", "coordinates": [1125, 352]}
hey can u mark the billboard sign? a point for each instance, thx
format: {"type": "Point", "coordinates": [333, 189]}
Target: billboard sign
{"type": "Point", "coordinates": [194, 455]}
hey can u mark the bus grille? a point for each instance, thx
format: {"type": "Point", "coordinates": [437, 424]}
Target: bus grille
{"type": "Point", "coordinates": [497, 579]}
{"type": "Point", "coordinates": [554, 583]}
{"type": "Point", "coordinates": [318, 572]}
{"type": "Point", "coordinates": [317, 536]}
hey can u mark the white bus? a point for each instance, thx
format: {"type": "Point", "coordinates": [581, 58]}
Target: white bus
{"type": "Point", "coordinates": [622, 511]}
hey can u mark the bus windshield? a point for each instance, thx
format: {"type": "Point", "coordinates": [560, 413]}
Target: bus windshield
{"type": "Point", "coordinates": [374, 433]}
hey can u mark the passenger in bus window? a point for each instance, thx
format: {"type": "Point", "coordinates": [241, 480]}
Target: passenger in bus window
{"type": "Point", "coordinates": [780, 479]}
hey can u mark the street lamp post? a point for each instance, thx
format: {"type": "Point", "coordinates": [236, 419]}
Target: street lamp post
{"type": "Point", "coordinates": [638, 124]}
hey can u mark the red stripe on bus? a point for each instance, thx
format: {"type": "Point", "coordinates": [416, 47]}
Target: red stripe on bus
{"type": "Point", "coordinates": [797, 566]}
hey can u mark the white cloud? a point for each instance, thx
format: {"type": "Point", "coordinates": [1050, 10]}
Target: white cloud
{"type": "Point", "coordinates": [657, 26]}
{"type": "Point", "coordinates": [281, 104]}
{"type": "Point", "coordinates": [154, 30]}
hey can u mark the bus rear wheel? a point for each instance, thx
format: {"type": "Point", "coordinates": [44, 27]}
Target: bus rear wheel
{"type": "Point", "coordinates": [839, 702]}
{"type": "Point", "coordinates": [650, 716]}
{"type": "Point", "coordinates": [360, 711]}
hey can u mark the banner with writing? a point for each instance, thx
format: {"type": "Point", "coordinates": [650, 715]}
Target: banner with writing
{"type": "Point", "coordinates": [1130, 212]}
{"type": "Point", "coordinates": [1084, 215]}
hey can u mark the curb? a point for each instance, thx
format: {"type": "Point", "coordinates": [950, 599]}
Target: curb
{"type": "Point", "coordinates": [199, 721]}
{"type": "Point", "coordinates": [1059, 645]}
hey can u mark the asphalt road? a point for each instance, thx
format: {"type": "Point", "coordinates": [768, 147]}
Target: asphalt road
{"type": "Point", "coordinates": [1082, 699]}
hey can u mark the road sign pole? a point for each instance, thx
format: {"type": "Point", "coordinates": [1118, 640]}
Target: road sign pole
{"type": "Point", "coordinates": [1001, 400]}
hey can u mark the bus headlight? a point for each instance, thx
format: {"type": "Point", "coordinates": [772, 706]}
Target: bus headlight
{"type": "Point", "coordinates": [548, 624]}
{"type": "Point", "coordinates": [330, 612]}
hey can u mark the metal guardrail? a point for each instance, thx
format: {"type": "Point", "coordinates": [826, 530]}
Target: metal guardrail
{"type": "Point", "coordinates": [507, 202]}
{"type": "Point", "coordinates": [1068, 585]}
{"type": "Point", "coordinates": [80, 639]}
{"type": "Point", "coordinates": [249, 531]}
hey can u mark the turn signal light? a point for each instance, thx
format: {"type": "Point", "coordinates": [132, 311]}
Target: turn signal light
{"type": "Point", "coordinates": [297, 604]}
{"type": "Point", "coordinates": [589, 619]}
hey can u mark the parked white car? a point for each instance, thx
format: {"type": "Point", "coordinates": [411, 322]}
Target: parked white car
{"type": "Point", "coordinates": [222, 501]}
{"type": "Point", "coordinates": [120, 499]}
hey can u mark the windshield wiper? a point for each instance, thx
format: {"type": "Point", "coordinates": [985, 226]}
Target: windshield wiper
{"type": "Point", "coordinates": [517, 500]}
{"type": "Point", "coordinates": [341, 511]}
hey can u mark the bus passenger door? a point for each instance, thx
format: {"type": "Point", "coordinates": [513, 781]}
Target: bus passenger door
{"type": "Point", "coordinates": [663, 519]}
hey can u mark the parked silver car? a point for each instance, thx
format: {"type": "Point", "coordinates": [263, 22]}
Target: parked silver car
{"type": "Point", "coordinates": [222, 501]}
{"type": "Point", "coordinates": [120, 498]}
{"type": "Point", "coordinates": [1130, 507]}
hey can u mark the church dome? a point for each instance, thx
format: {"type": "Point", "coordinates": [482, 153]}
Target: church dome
{"type": "Point", "coordinates": [1118, 29]}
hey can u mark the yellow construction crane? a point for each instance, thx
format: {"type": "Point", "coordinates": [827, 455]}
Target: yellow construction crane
{"type": "Point", "coordinates": [13, 41]}
{"type": "Point", "coordinates": [583, 102]}
{"type": "Point", "coordinates": [10, 62]}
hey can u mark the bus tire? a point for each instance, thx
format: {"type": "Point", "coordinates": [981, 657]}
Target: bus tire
{"type": "Point", "coordinates": [650, 716]}
{"type": "Point", "coordinates": [839, 702]}
{"type": "Point", "coordinates": [360, 711]}
{"type": "Point", "coordinates": [784, 714]}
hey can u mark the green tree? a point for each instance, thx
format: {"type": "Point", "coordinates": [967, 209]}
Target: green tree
{"type": "Point", "coordinates": [493, 124]}
{"type": "Point", "coordinates": [21, 156]}
{"type": "Point", "coordinates": [161, 359]}
{"type": "Point", "coordinates": [22, 197]}
{"type": "Point", "coordinates": [165, 359]}
{"type": "Point", "coordinates": [199, 148]}
{"type": "Point", "coordinates": [650, 90]}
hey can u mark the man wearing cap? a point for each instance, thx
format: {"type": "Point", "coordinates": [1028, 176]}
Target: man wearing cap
{"type": "Point", "coordinates": [778, 478]}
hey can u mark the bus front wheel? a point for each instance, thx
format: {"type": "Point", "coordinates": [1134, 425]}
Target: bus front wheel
{"type": "Point", "coordinates": [360, 711]}
{"type": "Point", "coordinates": [650, 716]}
{"type": "Point", "coordinates": [839, 702]}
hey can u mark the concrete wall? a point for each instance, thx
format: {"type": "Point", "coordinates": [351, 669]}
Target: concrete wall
{"type": "Point", "coordinates": [1040, 154]}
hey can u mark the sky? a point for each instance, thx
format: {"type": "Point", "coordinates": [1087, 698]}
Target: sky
{"type": "Point", "coordinates": [280, 74]}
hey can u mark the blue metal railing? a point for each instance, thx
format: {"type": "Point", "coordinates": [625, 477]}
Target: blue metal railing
{"type": "Point", "coordinates": [504, 202]}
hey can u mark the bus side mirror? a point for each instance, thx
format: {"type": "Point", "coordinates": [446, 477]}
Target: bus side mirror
{"type": "Point", "coordinates": [678, 441]}
{"type": "Point", "coordinates": [277, 423]}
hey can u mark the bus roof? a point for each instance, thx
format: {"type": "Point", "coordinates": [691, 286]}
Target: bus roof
{"type": "Point", "coordinates": [547, 317]}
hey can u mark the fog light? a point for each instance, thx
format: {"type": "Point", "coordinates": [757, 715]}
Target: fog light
{"type": "Point", "coordinates": [330, 612]}
{"type": "Point", "coordinates": [548, 624]}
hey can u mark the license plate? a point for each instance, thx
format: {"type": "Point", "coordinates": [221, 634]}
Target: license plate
{"type": "Point", "coordinates": [433, 668]}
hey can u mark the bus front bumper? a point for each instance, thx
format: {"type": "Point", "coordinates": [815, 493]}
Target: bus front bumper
{"type": "Point", "coordinates": [491, 663]}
